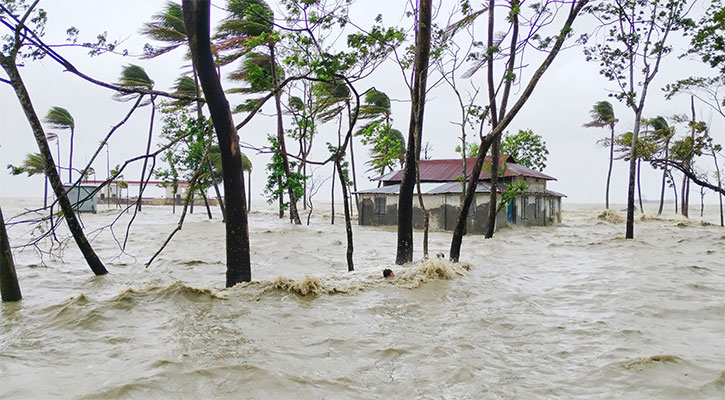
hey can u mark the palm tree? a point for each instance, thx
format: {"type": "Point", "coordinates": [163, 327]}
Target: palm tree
{"type": "Point", "coordinates": [60, 118]}
{"type": "Point", "coordinates": [9, 288]}
{"type": "Point", "coordinates": [168, 27]}
{"type": "Point", "coordinates": [32, 165]}
{"type": "Point", "coordinates": [662, 133]}
{"type": "Point", "coordinates": [603, 115]}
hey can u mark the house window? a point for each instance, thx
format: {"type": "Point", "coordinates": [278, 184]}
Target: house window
{"type": "Point", "coordinates": [539, 209]}
{"type": "Point", "coordinates": [380, 205]}
{"type": "Point", "coordinates": [552, 207]}
{"type": "Point", "coordinates": [524, 206]}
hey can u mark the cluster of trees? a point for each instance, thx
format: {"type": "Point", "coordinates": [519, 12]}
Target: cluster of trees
{"type": "Point", "coordinates": [290, 58]}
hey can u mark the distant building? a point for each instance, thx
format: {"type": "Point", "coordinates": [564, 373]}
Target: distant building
{"type": "Point", "coordinates": [441, 188]}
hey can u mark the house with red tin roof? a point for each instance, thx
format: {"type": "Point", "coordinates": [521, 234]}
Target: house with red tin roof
{"type": "Point", "coordinates": [441, 188]}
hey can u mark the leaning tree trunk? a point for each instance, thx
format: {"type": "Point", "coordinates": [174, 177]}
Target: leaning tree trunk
{"type": "Point", "coordinates": [348, 223]}
{"type": "Point", "coordinates": [404, 251]}
{"type": "Point", "coordinates": [629, 231]}
{"type": "Point", "coordinates": [206, 203]}
{"type": "Point", "coordinates": [332, 195]}
{"type": "Point", "coordinates": [9, 287]}
{"type": "Point", "coordinates": [294, 215]}
{"type": "Point", "coordinates": [73, 224]}
{"type": "Point", "coordinates": [486, 142]}
{"type": "Point", "coordinates": [493, 200]}
{"type": "Point", "coordinates": [196, 20]}
{"type": "Point", "coordinates": [664, 179]}
{"type": "Point", "coordinates": [719, 186]}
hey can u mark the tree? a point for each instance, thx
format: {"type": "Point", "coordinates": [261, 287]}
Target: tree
{"type": "Point", "coordinates": [196, 20]}
{"type": "Point", "coordinates": [9, 287]}
{"type": "Point", "coordinates": [662, 133]}
{"type": "Point", "coordinates": [504, 116]}
{"type": "Point", "coordinates": [247, 166]}
{"type": "Point", "coordinates": [32, 165]}
{"type": "Point", "coordinates": [404, 252]}
{"type": "Point", "coordinates": [637, 37]}
{"type": "Point", "coordinates": [602, 114]}
{"type": "Point", "coordinates": [60, 118]}
{"type": "Point", "coordinates": [8, 61]}
{"type": "Point", "coordinates": [527, 148]}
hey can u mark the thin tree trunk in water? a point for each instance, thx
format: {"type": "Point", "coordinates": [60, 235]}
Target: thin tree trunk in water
{"type": "Point", "coordinates": [173, 207]}
{"type": "Point", "coordinates": [719, 186]}
{"type": "Point", "coordinates": [611, 162]}
{"type": "Point", "coordinates": [142, 185]}
{"type": "Point", "coordinates": [674, 190]}
{"type": "Point", "coordinates": [9, 287]}
{"type": "Point", "coordinates": [281, 199]}
{"type": "Point", "coordinates": [217, 192]}
{"type": "Point", "coordinates": [629, 231]}
{"type": "Point", "coordinates": [294, 215]}
{"type": "Point", "coordinates": [404, 251]}
{"type": "Point", "coordinates": [55, 183]}
{"type": "Point", "coordinates": [426, 216]}
{"type": "Point", "coordinates": [206, 203]}
{"type": "Point", "coordinates": [664, 179]}
{"type": "Point", "coordinates": [702, 201]}
{"type": "Point", "coordinates": [196, 19]}
{"type": "Point", "coordinates": [639, 186]}
{"type": "Point", "coordinates": [354, 176]}
{"type": "Point", "coordinates": [683, 198]}
{"type": "Point", "coordinates": [348, 224]}
{"type": "Point", "coordinates": [493, 200]}
{"type": "Point", "coordinates": [332, 213]}
{"type": "Point", "coordinates": [249, 192]}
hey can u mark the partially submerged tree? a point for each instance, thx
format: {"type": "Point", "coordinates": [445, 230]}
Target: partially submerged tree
{"type": "Point", "coordinates": [637, 38]}
{"type": "Point", "coordinates": [9, 62]}
{"type": "Point", "coordinates": [602, 114]}
{"type": "Point", "coordinates": [196, 19]}
{"type": "Point", "coordinates": [60, 118]}
{"type": "Point", "coordinates": [9, 287]}
{"type": "Point", "coordinates": [504, 116]}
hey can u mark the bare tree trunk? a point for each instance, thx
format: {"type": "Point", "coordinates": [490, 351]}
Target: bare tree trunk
{"type": "Point", "coordinates": [629, 231]}
{"type": "Point", "coordinates": [664, 179]}
{"type": "Point", "coordinates": [9, 287]}
{"type": "Point", "coordinates": [348, 224]}
{"type": "Point", "coordinates": [354, 176]}
{"type": "Point", "coordinates": [196, 19]}
{"type": "Point", "coordinates": [639, 186]}
{"type": "Point", "coordinates": [206, 203]}
{"type": "Point", "coordinates": [217, 192]}
{"type": "Point", "coordinates": [73, 224]}
{"type": "Point", "coordinates": [294, 215]}
{"type": "Point", "coordinates": [404, 251]}
{"type": "Point", "coordinates": [249, 191]}
{"type": "Point", "coordinates": [702, 201]}
{"type": "Point", "coordinates": [719, 186]}
{"type": "Point", "coordinates": [332, 192]}
{"type": "Point", "coordinates": [611, 162]}
{"type": "Point", "coordinates": [674, 191]}
{"type": "Point", "coordinates": [683, 198]}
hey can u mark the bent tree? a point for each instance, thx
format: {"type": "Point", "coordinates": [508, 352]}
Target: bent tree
{"type": "Point", "coordinates": [196, 20]}
{"type": "Point", "coordinates": [505, 119]}
{"type": "Point", "coordinates": [603, 115]}
{"type": "Point", "coordinates": [8, 61]}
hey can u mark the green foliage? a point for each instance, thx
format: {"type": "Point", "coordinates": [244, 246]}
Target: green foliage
{"type": "Point", "coordinates": [527, 148]}
{"type": "Point", "coordinates": [277, 183]}
{"type": "Point", "coordinates": [32, 165]}
{"type": "Point", "coordinates": [168, 27]}
{"type": "Point", "coordinates": [636, 34]}
{"type": "Point", "coordinates": [602, 114]}
{"type": "Point", "coordinates": [471, 149]}
{"type": "Point", "coordinates": [387, 146]}
{"type": "Point", "coordinates": [59, 118]}
{"type": "Point", "coordinates": [708, 41]}
{"type": "Point", "coordinates": [188, 153]}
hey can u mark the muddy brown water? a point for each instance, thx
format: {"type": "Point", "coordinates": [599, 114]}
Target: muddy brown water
{"type": "Point", "coordinates": [570, 311]}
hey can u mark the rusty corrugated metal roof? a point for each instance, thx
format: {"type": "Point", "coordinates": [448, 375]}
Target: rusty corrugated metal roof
{"type": "Point", "coordinates": [452, 170]}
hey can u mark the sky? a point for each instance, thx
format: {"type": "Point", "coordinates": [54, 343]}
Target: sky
{"type": "Point", "coordinates": [557, 110]}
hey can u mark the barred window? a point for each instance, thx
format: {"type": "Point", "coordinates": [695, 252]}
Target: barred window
{"type": "Point", "coordinates": [380, 205]}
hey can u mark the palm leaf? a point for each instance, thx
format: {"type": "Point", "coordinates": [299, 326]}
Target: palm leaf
{"type": "Point", "coordinates": [59, 118]}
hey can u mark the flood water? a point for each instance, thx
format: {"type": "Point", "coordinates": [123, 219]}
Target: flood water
{"type": "Point", "coordinates": [570, 311]}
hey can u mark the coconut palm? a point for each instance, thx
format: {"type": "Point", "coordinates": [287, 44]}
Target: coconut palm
{"type": "Point", "coordinates": [662, 133]}
{"type": "Point", "coordinates": [32, 165]}
{"type": "Point", "coordinates": [168, 27]}
{"type": "Point", "coordinates": [60, 118]}
{"type": "Point", "coordinates": [603, 115]}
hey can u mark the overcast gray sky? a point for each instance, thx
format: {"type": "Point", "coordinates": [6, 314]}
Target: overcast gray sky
{"type": "Point", "coordinates": [557, 110]}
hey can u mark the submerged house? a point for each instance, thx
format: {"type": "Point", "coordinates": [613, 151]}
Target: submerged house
{"type": "Point", "coordinates": [440, 185]}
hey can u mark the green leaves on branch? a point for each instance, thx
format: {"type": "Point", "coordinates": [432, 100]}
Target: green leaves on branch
{"type": "Point", "coordinates": [527, 148]}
